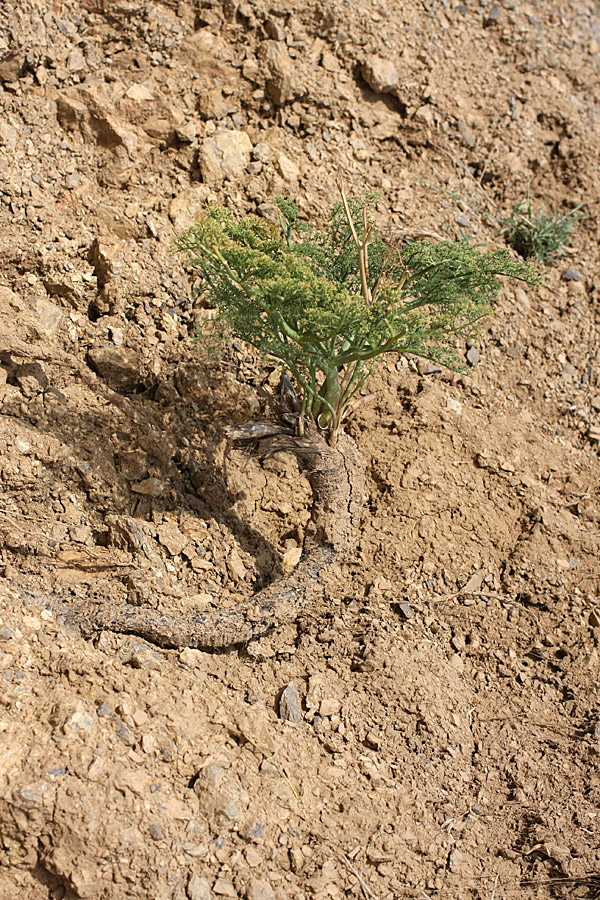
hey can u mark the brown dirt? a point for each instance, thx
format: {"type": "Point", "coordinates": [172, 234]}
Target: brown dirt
{"type": "Point", "coordinates": [448, 736]}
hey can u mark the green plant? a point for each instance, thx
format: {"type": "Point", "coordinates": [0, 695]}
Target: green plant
{"type": "Point", "coordinates": [327, 303]}
{"type": "Point", "coordinates": [541, 235]}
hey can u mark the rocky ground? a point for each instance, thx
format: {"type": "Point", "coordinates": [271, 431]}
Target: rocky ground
{"type": "Point", "coordinates": [432, 729]}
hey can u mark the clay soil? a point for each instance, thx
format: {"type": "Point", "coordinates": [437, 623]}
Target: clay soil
{"type": "Point", "coordinates": [431, 727]}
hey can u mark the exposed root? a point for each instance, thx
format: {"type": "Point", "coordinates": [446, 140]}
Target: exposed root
{"type": "Point", "coordinates": [336, 475]}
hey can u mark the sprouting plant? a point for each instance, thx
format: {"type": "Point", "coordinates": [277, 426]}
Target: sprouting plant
{"type": "Point", "coordinates": [327, 303]}
{"type": "Point", "coordinates": [541, 235]}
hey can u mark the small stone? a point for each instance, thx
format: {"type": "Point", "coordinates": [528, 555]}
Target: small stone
{"type": "Point", "coordinates": [330, 706]}
{"type": "Point", "coordinates": [212, 104]}
{"type": "Point", "coordinates": [225, 155]}
{"type": "Point", "coordinates": [463, 221]}
{"type": "Point", "coordinates": [259, 889]}
{"type": "Point", "coordinates": [186, 208]}
{"type": "Point", "coordinates": [291, 558]}
{"type": "Point", "coordinates": [78, 722]}
{"type": "Point", "coordinates": [458, 642]}
{"type": "Point", "coordinates": [472, 356]}
{"type": "Point", "coordinates": [251, 70]}
{"type": "Point", "coordinates": [493, 17]}
{"type": "Point", "coordinates": [467, 135]}
{"type": "Point", "coordinates": [150, 487]}
{"type": "Point", "coordinates": [198, 888]}
{"type": "Point", "coordinates": [22, 445]}
{"type": "Point", "coordinates": [11, 66]}
{"type": "Point", "coordinates": [254, 830]}
{"type": "Point", "coordinates": [454, 404]}
{"type": "Point", "coordinates": [145, 659]}
{"type": "Point", "coordinates": [119, 366]}
{"type": "Point", "coordinates": [286, 168]}
{"type": "Point", "coordinates": [236, 567]}
{"type": "Point", "coordinates": [171, 537]}
{"type": "Point", "coordinates": [405, 608]}
{"type": "Point", "coordinates": [456, 860]}
{"type": "Point", "coordinates": [8, 136]}
{"type": "Point", "coordinates": [474, 583]}
{"type": "Point", "coordinates": [572, 275]}
{"type": "Point", "coordinates": [139, 92]}
{"type": "Point", "coordinates": [274, 29]}
{"type": "Point", "coordinates": [253, 856]}
{"type": "Point", "coordinates": [124, 734]}
{"type": "Point", "coordinates": [289, 704]}
{"type": "Point", "coordinates": [76, 60]}
{"type": "Point", "coordinates": [261, 152]}
{"type": "Point", "coordinates": [6, 633]}
{"type": "Point", "coordinates": [281, 83]}
{"type": "Point", "coordinates": [380, 74]}
{"type": "Point", "coordinates": [224, 888]}
{"type": "Point", "coordinates": [49, 316]}
{"type": "Point", "coordinates": [457, 662]}
{"type": "Point", "coordinates": [156, 833]}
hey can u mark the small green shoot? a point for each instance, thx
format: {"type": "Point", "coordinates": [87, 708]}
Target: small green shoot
{"type": "Point", "coordinates": [541, 235]}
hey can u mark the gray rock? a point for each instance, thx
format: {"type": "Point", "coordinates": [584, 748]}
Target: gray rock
{"type": "Point", "coordinates": [472, 356]}
{"type": "Point", "coordinates": [6, 633]}
{"type": "Point", "coordinates": [572, 275]}
{"type": "Point", "coordinates": [254, 830]}
{"type": "Point", "coordinates": [406, 609]}
{"type": "Point", "coordinates": [156, 833]}
{"type": "Point", "coordinates": [493, 17]}
{"type": "Point", "coordinates": [289, 704]}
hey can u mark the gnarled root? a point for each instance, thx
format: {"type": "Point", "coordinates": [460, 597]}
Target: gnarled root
{"type": "Point", "coordinates": [337, 478]}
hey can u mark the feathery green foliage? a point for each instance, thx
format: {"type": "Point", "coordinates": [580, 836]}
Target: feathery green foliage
{"type": "Point", "coordinates": [541, 235]}
{"type": "Point", "coordinates": [328, 303]}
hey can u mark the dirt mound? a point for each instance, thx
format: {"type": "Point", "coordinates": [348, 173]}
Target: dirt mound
{"type": "Point", "coordinates": [431, 729]}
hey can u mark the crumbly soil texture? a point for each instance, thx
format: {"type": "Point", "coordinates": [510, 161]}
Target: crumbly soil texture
{"type": "Point", "coordinates": [428, 727]}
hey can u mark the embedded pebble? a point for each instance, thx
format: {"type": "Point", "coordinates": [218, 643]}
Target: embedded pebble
{"type": "Point", "coordinates": [198, 888]}
{"type": "Point", "coordinates": [572, 275]}
{"type": "Point", "coordinates": [380, 74]}
{"type": "Point", "coordinates": [472, 356]}
{"type": "Point", "coordinates": [289, 704]}
{"type": "Point", "coordinates": [259, 889]}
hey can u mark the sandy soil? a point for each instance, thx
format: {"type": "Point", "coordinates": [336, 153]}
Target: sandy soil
{"type": "Point", "coordinates": [431, 729]}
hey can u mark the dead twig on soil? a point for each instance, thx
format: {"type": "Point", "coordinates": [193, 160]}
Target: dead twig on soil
{"type": "Point", "coordinates": [364, 886]}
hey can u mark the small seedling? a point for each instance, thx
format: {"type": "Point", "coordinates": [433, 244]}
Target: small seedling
{"type": "Point", "coordinates": [542, 235]}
